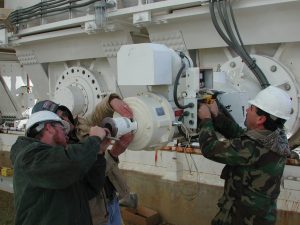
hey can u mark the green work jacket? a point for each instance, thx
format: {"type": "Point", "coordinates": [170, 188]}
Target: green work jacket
{"type": "Point", "coordinates": [52, 185]}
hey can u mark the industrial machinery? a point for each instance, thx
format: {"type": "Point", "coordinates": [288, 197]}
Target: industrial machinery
{"type": "Point", "coordinates": [163, 57]}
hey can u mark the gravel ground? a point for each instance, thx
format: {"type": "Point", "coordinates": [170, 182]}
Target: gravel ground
{"type": "Point", "coordinates": [6, 208]}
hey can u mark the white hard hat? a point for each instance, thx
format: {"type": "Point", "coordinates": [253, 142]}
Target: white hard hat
{"type": "Point", "coordinates": [44, 116]}
{"type": "Point", "coordinates": [274, 101]}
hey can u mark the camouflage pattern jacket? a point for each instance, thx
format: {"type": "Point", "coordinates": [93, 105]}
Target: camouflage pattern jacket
{"type": "Point", "coordinates": [255, 161]}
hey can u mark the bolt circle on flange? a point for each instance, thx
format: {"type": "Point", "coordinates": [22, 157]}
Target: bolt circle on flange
{"type": "Point", "coordinates": [79, 90]}
{"type": "Point", "coordinates": [241, 77]}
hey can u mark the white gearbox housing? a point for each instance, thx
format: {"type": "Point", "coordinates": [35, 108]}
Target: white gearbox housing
{"type": "Point", "coordinates": [154, 116]}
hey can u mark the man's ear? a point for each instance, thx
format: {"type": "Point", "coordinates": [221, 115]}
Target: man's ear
{"type": "Point", "coordinates": [261, 120]}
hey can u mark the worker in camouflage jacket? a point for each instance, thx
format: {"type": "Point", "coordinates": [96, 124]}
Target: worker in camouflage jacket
{"type": "Point", "coordinates": [254, 158]}
{"type": "Point", "coordinates": [104, 208]}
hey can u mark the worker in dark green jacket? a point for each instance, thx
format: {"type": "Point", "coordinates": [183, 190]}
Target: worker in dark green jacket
{"type": "Point", "coordinates": [254, 158]}
{"type": "Point", "coordinates": [53, 181]}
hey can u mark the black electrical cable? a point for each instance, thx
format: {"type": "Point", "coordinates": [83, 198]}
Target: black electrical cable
{"type": "Point", "coordinates": [224, 10]}
{"type": "Point", "coordinates": [176, 83]}
{"type": "Point", "coordinates": [237, 46]}
{"type": "Point", "coordinates": [218, 28]}
{"type": "Point", "coordinates": [246, 57]}
{"type": "Point", "coordinates": [181, 132]}
{"type": "Point", "coordinates": [53, 10]}
{"type": "Point", "coordinates": [188, 60]}
{"type": "Point", "coordinates": [216, 24]}
{"type": "Point", "coordinates": [44, 4]}
{"type": "Point", "coordinates": [224, 17]}
{"type": "Point", "coordinates": [236, 28]}
{"type": "Point", "coordinates": [45, 8]}
{"type": "Point", "coordinates": [38, 7]}
{"type": "Point", "coordinates": [248, 60]}
{"type": "Point", "coordinates": [181, 119]}
{"type": "Point", "coordinates": [182, 55]}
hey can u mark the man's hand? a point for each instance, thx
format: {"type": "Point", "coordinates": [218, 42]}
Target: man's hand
{"type": "Point", "coordinates": [121, 107]}
{"type": "Point", "coordinates": [203, 112]}
{"type": "Point", "coordinates": [101, 133]}
{"type": "Point", "coordinates": [121, 145]}
{"type": "Point", "coordinates": [213, 107]}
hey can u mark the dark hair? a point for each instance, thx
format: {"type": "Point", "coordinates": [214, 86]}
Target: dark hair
{"type": "Point", "coordinates": [67, 112]}
{"type": "Point", "coordinates": [271, 124]}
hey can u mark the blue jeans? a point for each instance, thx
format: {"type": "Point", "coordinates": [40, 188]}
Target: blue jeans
{"type": "Point", "coordinates": [114, 217]}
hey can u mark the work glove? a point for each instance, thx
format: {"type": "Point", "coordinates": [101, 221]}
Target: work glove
{"type": "Point", "coordinates": [121, 107]}
{"type": "Point", "coordinates": [120, 146]}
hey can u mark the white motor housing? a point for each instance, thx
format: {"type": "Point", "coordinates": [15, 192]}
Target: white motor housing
{"type": "Point", "coordinates": [144, 64]}
{"type": "Point", "coordinates": [149, 64]}
{"type": "Point", "coordinates": [154, 116]}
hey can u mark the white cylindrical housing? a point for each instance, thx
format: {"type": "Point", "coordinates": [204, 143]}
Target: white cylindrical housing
{"type": "Point", "coordinates": [119, 126]}
{"type": "Point", "coordinates": [124, 126]}
{"type": "Point", "coordinates": [154, 116]}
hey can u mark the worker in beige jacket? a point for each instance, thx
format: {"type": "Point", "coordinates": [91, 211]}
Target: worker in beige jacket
{"type": "Point", "coordinates": [105, 207]}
